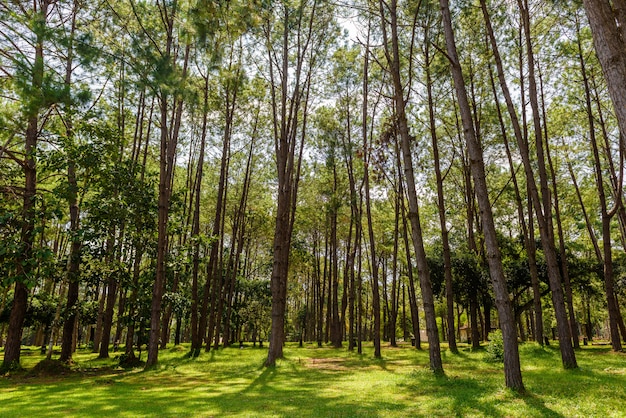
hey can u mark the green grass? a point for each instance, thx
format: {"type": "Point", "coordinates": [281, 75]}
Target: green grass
{"type": "Point", "coordinates": [321, 382]}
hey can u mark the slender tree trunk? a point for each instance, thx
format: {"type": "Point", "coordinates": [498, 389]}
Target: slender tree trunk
{"type": "Point", "coordinates": [97, 337]}
{"type": "Point", "coordinates": [196, 331]}
{"type": "Point", "coordinates": [74, 256]}
{"type": "Point", "coordinates": [335, 324]}
{"type": "Point", "coordinates": [415, 317]}
{"type": "Point", "coordinates": [288, 133]}
{"type": "Point", "coordinates": [447, 263]}
{"type": "Point", "coordinates": [168, 145]}
{"type": "Point", "coordinates": [545, 222]}
{"type": "Point", "coordinates": [527, 228]}
{"type": "Point", "coordinates": [23, 264]}
{"type": "Point", "coordinates": [368, 206]}
{"type": "Point", "coordinates": [393, 60]}
{"type": "Point", "coordinates": [107, 319]}
{"type": "Point", "coordinates": [512, 371]}
{"type": "Point", "coordinates": [541, 205]}
{"type": "Point", "coordinates": [354, 234]}
{"type": "Point", "coordinates": [607, 215]}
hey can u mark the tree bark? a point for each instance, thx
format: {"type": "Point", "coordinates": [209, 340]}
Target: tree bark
{"type": "Point", "coordinates": [393, 60]}
{"type": "Point", "coordinates": [23, 262]}
{"type": "Point", "coordinates": [527, 228]}
{"type": "Point", "coordinates": [542, 205]}
{"type": "Point", "coordinates": [167, 159]}
{"type": "Point", "coordinates": [368, 204]}
{"type": "Point", "coordinates": [611, 51]}
{"type": "Point", "coordinates": [606, 215]}
{"type": "Point", "coordinates": [512, 371]}
{"type": "Point", "coordinates": [288, 146]}
{"type": "Point", "coordinates": [445, 242]}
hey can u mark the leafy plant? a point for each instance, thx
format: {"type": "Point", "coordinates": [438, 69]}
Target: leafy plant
{"type": "Point", "coordinates": [495, 348]}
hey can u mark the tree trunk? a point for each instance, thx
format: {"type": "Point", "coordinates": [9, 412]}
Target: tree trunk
{"type": "Point", "coordinates": [393, 60]}
{"type": "Point", "coordinates": [288, 147]}
{"type": "Point", "coordinates": [108, 317]}
{"type": "Point", "coordinates": [23, 264]}
{"type": "Point", "coordinates": [196, 334]}
{"type": "Point", "coordinates": [512, 371]}
{"type": "Point", "coordinates": [544, 214]}
{"type": "Point", "coordinates": [167, 159]}
{"type": "Point", "coordinates": [607, 215]}
{"type": "Point", "coordinates": [447, 263]}
{"type": "Point", "coordinates": [67, 346]}
{"type": "Point", "coordinates": [527, 228]}
{"type": "Point", "coordinates": [611, 51]}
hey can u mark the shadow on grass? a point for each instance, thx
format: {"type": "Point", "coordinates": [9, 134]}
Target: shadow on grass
{"type": "Point", "coordinates": [466, 396]}
{"type": "Point", "coordinates": [233, 382]}
{"type": "Point", "coordinates": [537, 404]}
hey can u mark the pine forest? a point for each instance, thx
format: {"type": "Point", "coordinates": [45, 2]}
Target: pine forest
{"type": "Point", "coordinates": [360, 175]}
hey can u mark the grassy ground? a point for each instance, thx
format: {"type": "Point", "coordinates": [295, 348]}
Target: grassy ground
{"type": "Point", "coordinates": [321, 382]}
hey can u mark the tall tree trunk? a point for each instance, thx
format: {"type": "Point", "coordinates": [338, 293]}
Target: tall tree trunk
{"type": "Point", "coordinates": [239, 233]}
{"type": "Point", "coordinates": [335, 324]}
{"type": "Point", "coordinates": [74, 258]}
{"type": "Point", "coordinates": [354, 234]}
{"type": "Point", "coordinates": [545, 222]}
{"type": "Point", "coordinates": [288, 132]}
{"type": "Point", "coordinates": [542, 205]}
{"type": "Point", "coordinates": [197, 332]}
{"type": "Point", "coordinates": [393, 60]}
{"type": "Point", "coordinates": [111, 294]}
{"type": "Point", "coordinates": [415, 317]}
{"type": "Point", "coordinates": [368, 204]}
{"type": "Point", "coordinates": [167, 157]}
{"type": "Point", "coordinates": [607, 215]}
{"type": "Point", "coordinates": [527, 228]}
{"type": "Point", "coordinates": [512, 371]}
{"type": "Point", "coordinates": [23, 264]}
{"type": "Point", "coordinates": [445, 243]}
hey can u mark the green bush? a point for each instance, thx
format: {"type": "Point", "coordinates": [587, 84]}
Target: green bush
{"type": "Point", "coordinates": [495, 349]}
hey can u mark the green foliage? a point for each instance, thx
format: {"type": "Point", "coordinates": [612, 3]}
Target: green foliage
{"type": "Point", "coordinates": [495, 348]}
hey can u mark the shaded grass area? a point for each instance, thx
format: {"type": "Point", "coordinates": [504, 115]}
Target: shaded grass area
{"type": "Point", "coordinates": [321, 382]}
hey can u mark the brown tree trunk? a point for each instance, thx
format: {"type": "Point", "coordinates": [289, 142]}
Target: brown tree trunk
{"type": "Point", "coordinates": [542, 205]}
{"type": "Point", "coordinates": [336, 334]}
{"type": "Point", "coordinates": [197, 333]}
{"type": "Point", "coordinates": [545, 222]}
{"type": "Point", "coordinates": [354, 234]}
{"type": "Point", "coordinates": [611, 51]}
{"type": "Point", "coordinates": [239, 232]}
{"type": "Point", "coordinates": [415, 317]}
{"type": "Point", "coordinates": [527, 228]}
{"type": "Point", "coordinates": [445, 242]}
{"type": "Point", "coordinates": [393, 60]}
{"type": "Point", "coordinates": [100, 317]}
{"type": "Point", "coordinates": [108, 317]}
{"type": "Point", "coordinates": [512, 371]}
{"type": "Point", "coordinates": [167, 155]}
{"type": "Point", "coordinates": [23, 264]}
{"type": "Point", "coordinates": [67, 346]}
{"type": "Point", "coordinates": [368, 206]}
{"type": "Point", "coordinates": [607, 215]}
{"type": "Point", "coordinates": [289, 135]}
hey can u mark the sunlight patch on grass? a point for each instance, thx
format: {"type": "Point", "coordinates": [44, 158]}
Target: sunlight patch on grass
{"type": "Point", "coordinates": [317, 382]}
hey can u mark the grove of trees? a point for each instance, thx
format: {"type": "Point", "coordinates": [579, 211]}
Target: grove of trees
{"type": "Point", "coordinates": [212, 172]}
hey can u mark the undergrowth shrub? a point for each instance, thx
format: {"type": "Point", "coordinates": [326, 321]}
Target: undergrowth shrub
{"type": "Point", "coordinates": [495, 348]}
